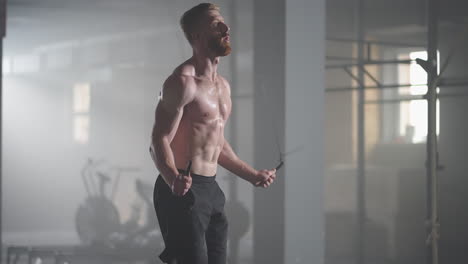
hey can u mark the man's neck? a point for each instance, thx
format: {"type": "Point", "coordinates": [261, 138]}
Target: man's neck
{"type": "Point", "coordinates": [205, 65]}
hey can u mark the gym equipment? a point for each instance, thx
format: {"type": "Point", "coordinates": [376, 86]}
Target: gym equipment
{"type": "Point", "coordinates": [97, 218]}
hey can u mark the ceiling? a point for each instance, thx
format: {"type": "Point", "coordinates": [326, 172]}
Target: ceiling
{"type": "Point", "coordinates": [33, 23]}
{"type": "Point", "coordinates": [36, 23]}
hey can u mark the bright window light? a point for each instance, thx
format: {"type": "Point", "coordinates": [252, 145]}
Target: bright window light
{"type": "Point", "coordinates": [81, 98]}
{"type": "Point", "coordinates": [413, 114]}
{"type": "Point", "coordinates": [81, 129]}
{"type": "Point", "coordinates": [81, 106]}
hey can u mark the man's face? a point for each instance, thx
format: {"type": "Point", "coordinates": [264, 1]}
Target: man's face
{"type": "Point", "coordinates": [216, 33]}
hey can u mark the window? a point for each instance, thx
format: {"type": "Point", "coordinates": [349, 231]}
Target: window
{"type": "Point", "coordinates": [413, 113]}
{"type": "Point", "coordinates": [81, 106]}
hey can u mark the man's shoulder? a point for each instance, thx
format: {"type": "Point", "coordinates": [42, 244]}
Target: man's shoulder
{"type": "Point", "coordinates": [186, 70]}
{"type": "Point", "coordinates": [182, 75]}
{"type": "Point", "coordinates": [179, 83]}
{"type": "Point", "coordinates": [177, 79]}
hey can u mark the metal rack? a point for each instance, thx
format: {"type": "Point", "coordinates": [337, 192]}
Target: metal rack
{"type": "Point", "coordinates": [434, 79]}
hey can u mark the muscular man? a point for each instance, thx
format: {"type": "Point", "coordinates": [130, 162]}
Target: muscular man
{"type": "Point", "coordinates": [189, 127]}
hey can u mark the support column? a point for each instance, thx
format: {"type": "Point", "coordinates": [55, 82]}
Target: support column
{"type": "Point", "coordinates": [289, 60]}
{"type": "Point", "coordinates": [431, 144]}
{"type": "Point", "coordinates": [2, 35]}
{"type": "Point", "coordinates": [361, 134]}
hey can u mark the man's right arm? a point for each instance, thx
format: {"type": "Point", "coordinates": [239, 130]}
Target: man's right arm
{"type": "Point", "coordinates": [178, 91]}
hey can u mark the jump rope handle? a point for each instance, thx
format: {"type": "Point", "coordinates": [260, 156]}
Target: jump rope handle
{"type": "Point", "coordinates": [189, 166]}
{"type": "Point", "coordinates": [279, 165]}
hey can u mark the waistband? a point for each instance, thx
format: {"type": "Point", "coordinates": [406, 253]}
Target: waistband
{"type": "Point", "coordinates": [197, 178]}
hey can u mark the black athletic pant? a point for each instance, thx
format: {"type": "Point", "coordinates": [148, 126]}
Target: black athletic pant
{"type": "Point", "coordinates": [193, 226]}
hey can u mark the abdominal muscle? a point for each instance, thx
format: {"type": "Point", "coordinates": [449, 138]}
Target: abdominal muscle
{"type": "Point", "coordinates": [201, 142]}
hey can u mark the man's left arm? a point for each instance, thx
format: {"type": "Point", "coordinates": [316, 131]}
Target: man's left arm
{"type": "Point", "coordinates": [231, 162]}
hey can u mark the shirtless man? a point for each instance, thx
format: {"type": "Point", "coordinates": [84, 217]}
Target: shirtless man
{"type": "Point", "coordinates": [189, 128]}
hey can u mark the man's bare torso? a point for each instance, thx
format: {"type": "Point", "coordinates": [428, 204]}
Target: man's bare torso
{"type": "Point", "coordinates": [200, 135]}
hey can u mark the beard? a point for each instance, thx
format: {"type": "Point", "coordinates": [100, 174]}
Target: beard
{"type": "Point", "coordinates": [219, 46]}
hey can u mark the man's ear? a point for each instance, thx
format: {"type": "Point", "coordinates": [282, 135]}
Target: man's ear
{"type": "Point", "coordinates": [195, 36]}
